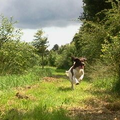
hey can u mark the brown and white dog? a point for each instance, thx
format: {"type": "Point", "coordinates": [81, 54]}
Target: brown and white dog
{"type": "Point", "coordinates": [76, 72]}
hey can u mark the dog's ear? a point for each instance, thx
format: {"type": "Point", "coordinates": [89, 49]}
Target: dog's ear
{"type": "Point", "coordinates": [75, 59]}
{"type": "Point", "coordinates": [72, 58]}
{"type": "Point", "coordinates": [83, 59]}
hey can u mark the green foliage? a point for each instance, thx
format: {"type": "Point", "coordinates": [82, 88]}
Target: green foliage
{"type": "Point", "coordinates": [16, 57]}
{"type": "Point", "coordinates": [111, 46]}
{"type": "Point", "coordinates": [7, 30]}
{"type": "Point", "coordinates": [63, 59]}
{"type": "Point", "coordinates": [40, 43]}
{"type": "Point", "coordinates": [92, 7]}
{"type": "Point", "coordinates": [55, 47]}
{"type": "Point", "coordinates": [88, 41]}
{"type": "Point", "coordinates": [99, 42]}
{"type": "Point", "coordinates": [52, 58]}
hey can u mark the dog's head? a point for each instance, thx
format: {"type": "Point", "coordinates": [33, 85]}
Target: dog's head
{"type": "Point", "coordinates": [79, 62]}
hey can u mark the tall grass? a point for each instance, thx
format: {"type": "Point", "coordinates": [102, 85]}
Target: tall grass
{"type": "Point", "coordinates": [105, 83]}
{"type": "Point", "coordinates": [33, 75]}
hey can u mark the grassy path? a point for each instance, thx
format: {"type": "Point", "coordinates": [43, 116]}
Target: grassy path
{"type": "Point", "coordinates": [53, 99]}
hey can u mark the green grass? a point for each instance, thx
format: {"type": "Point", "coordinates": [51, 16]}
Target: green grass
{"type": "Point", "coordinates": [32, 76]}
{"type": "Point", "coordinates": [46, 95]}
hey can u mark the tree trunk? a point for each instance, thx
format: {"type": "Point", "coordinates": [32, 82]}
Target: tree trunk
{"type": "Point", "coordinates": [42, 61]}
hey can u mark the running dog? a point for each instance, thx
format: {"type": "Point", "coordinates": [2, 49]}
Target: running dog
{"type": "Point", "coordinates": [76, 72]}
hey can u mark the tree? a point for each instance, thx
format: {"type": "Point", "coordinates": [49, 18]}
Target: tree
{"type": "Point", "coordinates": [52, 57]}
{"type": "Point", "coordinates": [89, 40]}
{"type": "Point", "coordinates": [99, 41]}
{"type": "Point", "coordinates": [41, 44]}
{"type": "Point", "coordinates": [63, 58]}
{"type": "Point", "coordinates": [8, 31]}
{"type": "Point", "coordinates": [92, 7]}
{"type": "Point", "coordinates": [111, 46]}
{"type": "Point", "coordinates": [55, 47]}
{"type": "Point", "coordinates": [15, 56]}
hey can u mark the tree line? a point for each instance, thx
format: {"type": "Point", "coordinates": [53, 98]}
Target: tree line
{"type": "Point", "coordinates": [99, 38]}
{"type": "Point", "coordinates": [16, 56]}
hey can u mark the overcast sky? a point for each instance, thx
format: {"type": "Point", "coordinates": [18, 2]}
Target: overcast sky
{"type": "Point", "coordinates": [58, 17]}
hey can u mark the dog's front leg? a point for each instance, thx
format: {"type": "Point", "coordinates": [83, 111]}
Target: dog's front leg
{"type": "Point", "coordinates": [81, 77]}
{"type": "Point", "coordinates": [75, 80]}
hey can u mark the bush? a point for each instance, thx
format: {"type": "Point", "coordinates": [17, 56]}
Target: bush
{"type": "Point", "coordinates": [16, 57]}
{"type": "Point", "coordinates": [63, 60]}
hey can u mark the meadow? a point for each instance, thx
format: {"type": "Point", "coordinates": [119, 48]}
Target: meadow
{"type": "Point", "coordinates": [45, 94]}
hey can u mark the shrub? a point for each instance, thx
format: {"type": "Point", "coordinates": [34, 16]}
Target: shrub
{"type": "Point", "coordinates": [63, 60]}
{"type": "Point", "coordinates": [16, 57]}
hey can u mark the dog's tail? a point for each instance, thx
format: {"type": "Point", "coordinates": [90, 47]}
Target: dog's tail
{"type": "Point", "coordinates": [67, 73]}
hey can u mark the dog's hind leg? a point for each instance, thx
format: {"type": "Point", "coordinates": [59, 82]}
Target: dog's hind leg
{"type": "Point", "coordinates": [72, 82]}
{"type": "Point", "coordinates": [67, 73]}
{"type": "Point", "coordinates": [72, 85]}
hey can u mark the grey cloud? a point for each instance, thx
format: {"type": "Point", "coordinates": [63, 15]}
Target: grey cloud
{"type": "Point", "coordinates": [42, 13]}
